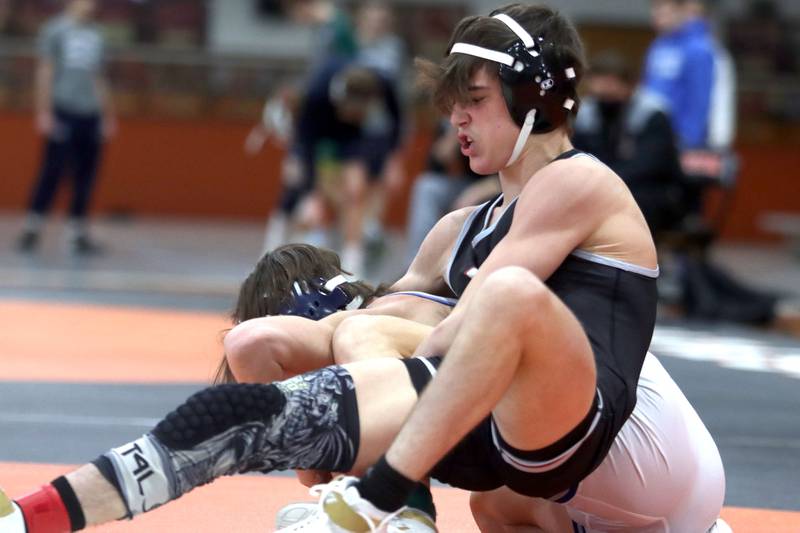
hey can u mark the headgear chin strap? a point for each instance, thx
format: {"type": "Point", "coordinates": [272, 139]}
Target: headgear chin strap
{"type": "Point", "coordinates": [538, 98]}
{"type": "Point", "coordinates": [318, 298]}
{"type": "Point", "coordinates": [524, 132]}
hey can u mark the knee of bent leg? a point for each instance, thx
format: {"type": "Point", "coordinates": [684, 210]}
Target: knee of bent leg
{"type": "Point", "coordinates": [514, 285]}
{"type": "Point", "coordinates": [254, 352]}
{"type": "Point", "coordinates": [483, 509]}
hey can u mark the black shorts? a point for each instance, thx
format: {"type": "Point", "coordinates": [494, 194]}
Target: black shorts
{"type": "Point", "coordinates": [482, 461]}
{"type": "Point", "coordinates": [373, 151]}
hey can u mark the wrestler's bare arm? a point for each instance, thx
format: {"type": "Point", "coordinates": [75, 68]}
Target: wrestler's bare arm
{"type": "Point", "coordinates": [556, 211]}
{"type": "Point", "coordinates": [277, 347]}
{"type": "Point", "coordinates": [272, 348]}
{"type": "Point", "coordinates": [370, 336]}
{"type": "Point", "coordinates": [426, 270]}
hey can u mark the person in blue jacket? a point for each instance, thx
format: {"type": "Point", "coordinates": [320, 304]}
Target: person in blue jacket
{"type": "Point", "coordinates": [679, 67]}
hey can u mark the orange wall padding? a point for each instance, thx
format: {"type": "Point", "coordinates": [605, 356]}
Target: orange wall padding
{"type": "Point", "coordinates": [769, 180]}
{"type": "Point", "coordinates": [197, 168]}
{"type": "Point", "coordinates": [173, 168]}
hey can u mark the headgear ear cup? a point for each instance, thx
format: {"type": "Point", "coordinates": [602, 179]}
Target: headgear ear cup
{"type": "Point", "coordinates": [316, 299]}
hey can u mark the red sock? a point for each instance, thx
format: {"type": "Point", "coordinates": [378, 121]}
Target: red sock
{"type": "Point", "coordinates": [44, 511]}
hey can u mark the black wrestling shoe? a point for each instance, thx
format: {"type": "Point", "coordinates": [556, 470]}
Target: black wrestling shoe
{"type": "Point", "coordinates": [27, 242]}
{"type": "Point", "coordinates": [86, 247]}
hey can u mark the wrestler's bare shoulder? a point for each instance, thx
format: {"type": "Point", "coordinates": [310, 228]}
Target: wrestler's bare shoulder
{"type": "Point", "coordinates": [578, 184]}
{"type": "Point", "coordinates": [410, 307]}
{"type": "Point", "coordinates": [585, 172]}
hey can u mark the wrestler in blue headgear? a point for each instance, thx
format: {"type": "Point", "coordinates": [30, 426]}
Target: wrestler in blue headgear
{"type": "Point", "coordinates": [300, 280]}
{"type": "Point", "coordinates": [318, 298]}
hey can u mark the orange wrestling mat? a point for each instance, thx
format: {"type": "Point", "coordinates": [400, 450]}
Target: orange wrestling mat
{"type": "Point", "coordinates": [231, 504]}
{"type": "Point", "coordinates": [74, 343]}
{"type": "Point", "coordinates": [87, 343]}
{"type": "Point", "coordinates": [249, 503]}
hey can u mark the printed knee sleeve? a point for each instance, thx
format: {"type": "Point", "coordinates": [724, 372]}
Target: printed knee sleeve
{"type": "Point", "coordinates": [307, 422]}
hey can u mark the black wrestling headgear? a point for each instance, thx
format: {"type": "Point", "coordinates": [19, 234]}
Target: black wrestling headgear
{"type": "Point", "coordinates": [538, 89]}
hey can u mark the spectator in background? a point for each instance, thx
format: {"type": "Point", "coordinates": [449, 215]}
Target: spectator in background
{"type": "Point", "coordinates": [379, 47]}
{"type": "Point", "coordinates": [74, 114]}
{"type": "Point", "coordinates": [334, 40]}
{"type": "Point", "coordinates": [277, 125]}
{"type": "Point", "coordinates": [629, 132]}
{"type": "Point", "coordinates": [382, 50]}
{"type": "Point", "coordinates": [336, 159]}
{"type": "Point", "coordinates": [333, 30]}
{"type": "Point", "coordinates": [447, 183]}
{"type": "Point", "coordinates": [694, 74]}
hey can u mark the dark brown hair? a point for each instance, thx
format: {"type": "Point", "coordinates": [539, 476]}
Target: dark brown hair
{"type": "Point", "coordinates": [448, 81]}
{"type": "Point", "coordinates": [268, 287]}
{"type": "Point", "coordinates": [355, 85]}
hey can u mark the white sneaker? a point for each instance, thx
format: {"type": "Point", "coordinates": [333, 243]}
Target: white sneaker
{"type": "Point", "coordinates": [308, 517]}
{"type": "Point", "coordinates": [11, 518]}
{"type": "Point", "coordinates": [295, 514]}
{"type": "Point", "coordinates": [411, 521]}
{"type": "Point", "coordinates": [342, 510]}
{"type": "Point", "coordinates": [347, 511]}
{"type": "Point", "coordinates": [720, 526]}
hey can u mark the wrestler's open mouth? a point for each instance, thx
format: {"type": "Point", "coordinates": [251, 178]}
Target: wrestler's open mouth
{"type": "Point", "coordinates": [466, 143]}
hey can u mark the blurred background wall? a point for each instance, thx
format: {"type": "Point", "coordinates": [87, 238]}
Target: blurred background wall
{"type": "Point", "coordinates": [190, 78]}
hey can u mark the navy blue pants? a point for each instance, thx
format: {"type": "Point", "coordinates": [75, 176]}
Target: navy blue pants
{"type": "Point", "coordinates": [73, 145]}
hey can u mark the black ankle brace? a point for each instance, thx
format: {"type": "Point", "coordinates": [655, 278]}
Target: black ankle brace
{"type": "Point", "coordinates": [384, 487]}
{"type": "Point", "coordinates": [77, 520]}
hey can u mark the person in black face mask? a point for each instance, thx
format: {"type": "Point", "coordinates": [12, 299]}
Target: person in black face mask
{"type": "Point", "coordinates": [629, 131]}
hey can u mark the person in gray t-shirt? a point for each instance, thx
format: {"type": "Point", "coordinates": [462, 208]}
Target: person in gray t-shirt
{"type": "Point", "coordinates": [74, 114]}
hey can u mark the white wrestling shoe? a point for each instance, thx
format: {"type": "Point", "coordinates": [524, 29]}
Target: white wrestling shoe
{"type": "Point", "coordinates": [11, 519]}
{"type": "Point", "coordinates": [342, 510]}
{"type": "Point", "coordinates": [295, 513]}
{"type": "Point", "coordinates": [720, 526]}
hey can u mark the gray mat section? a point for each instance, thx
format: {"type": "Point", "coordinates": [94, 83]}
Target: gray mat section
{"type": "Point", "coordinates": [73, 423]}
{"type": "Point", "coordinates": [755, 420]}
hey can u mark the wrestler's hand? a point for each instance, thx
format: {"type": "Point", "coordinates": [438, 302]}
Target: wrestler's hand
{"type": "Point", "coordinates": [309, 478]}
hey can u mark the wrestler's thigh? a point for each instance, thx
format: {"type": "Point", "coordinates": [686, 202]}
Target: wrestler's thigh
{"type": "Point", "coordinates": [554, 384]}
{"type": "Point", "coordinates": [385, 398]}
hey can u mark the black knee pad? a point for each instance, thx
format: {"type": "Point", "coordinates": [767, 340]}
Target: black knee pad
{"type": "Point", "coordinates": [214, 410]}
{"type": "Point", "coordinates": [308, 422]}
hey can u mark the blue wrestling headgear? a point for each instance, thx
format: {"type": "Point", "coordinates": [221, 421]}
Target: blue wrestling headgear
{"type": "Point", "coordinates": [538, 90]}
{"type": "Point", "coordinates": [318, 298]}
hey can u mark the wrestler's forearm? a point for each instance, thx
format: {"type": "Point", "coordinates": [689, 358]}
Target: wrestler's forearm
{"type": "Point", "coordinates": [272, 348]}
{"type": "Point", "coordinates": [441, 337]}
